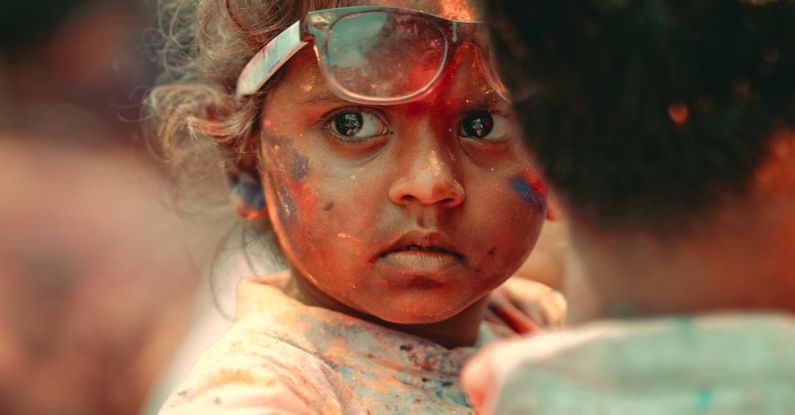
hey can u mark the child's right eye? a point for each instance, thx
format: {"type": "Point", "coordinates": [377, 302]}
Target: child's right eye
{"type": "Point", "coordinates": [353, 126]}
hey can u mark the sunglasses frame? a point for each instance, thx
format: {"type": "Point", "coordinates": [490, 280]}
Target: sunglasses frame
{"type": "Point", "coordinates": [316, 27]}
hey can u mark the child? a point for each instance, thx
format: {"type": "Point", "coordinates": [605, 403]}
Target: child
{"type": "Point", "coordinates": [387, 163]}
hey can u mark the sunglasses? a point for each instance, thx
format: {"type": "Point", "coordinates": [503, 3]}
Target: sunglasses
{"type": "Point", "coordinates": [374, 55]}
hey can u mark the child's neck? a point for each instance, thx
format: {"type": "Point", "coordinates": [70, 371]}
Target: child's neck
{"type": "Point", "coordinates": [458, 331]}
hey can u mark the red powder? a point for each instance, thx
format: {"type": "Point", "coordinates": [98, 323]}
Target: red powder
{"type": "Point", "coordinates": [678, 113]}
{"type": "Point", "coordinates": [536, 184]}
{"type": "Point", "coordinates": [305, 198]}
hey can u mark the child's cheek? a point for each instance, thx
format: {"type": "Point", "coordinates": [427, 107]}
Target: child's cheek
{"type": "Point", "coordinates": [288, 171]}
{"type": "Point", "coordinates": [299, 166]}
{"type": "Point", "coordinates": [300, 191]}
{"type": "Point", "coordinates": [530, 189]}
{"type": "Point", "coordinates": [314, 217]}
{"type": "Point", "coordinates": [343, 215]}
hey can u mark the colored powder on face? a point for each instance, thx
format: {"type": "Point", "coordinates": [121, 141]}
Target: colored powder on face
{"type": "Point", "coordinates": [302, 194]}
{"type": "Point", "coordinates": [300, 167]}
{"type": "Point", "coordinates": [294, 196]}
{"type": "Point", "coordinates": [287, 206]}
{"type": "Point", "coordinates": [530, 190]}
{"type": "Point", "coordinates": [296, 212]}
{"type": "Point", "coordinates": [305, 197]}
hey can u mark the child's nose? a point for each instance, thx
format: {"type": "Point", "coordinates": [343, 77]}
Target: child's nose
{"type": "Point", "coordinates": [429, 180]}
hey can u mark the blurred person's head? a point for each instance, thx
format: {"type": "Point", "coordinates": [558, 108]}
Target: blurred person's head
{"type": "Point", "coordinates": [71, 64]}
{"type": "Point", "coordinates": [667, 131]}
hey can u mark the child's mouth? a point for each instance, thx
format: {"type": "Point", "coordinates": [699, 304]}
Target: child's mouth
{"type": "Point", "coordinates": [421, 254]}
{"type": "Point", "coordinates": [419, 248]}
{"type": "Point", "coordinates": [415, 259]}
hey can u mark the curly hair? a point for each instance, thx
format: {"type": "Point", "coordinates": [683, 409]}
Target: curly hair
{"type": "Point", "coordinates": [198, 128]}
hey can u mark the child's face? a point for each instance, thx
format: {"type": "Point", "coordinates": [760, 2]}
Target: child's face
{"type": "Point", "coordinates": [412, 212]}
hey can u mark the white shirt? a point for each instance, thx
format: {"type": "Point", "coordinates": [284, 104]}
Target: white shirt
{"type": "Point", "coordinates": [282, 357]}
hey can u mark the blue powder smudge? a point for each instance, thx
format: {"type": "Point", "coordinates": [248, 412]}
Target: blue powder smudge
{"type": "Point", "coordinates": [300, 167]}
{"type": "Point", "coordinates": [525, 190]}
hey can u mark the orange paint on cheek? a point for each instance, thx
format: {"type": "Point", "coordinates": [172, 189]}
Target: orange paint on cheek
{"type": "Point", "coordinates": [356, 242]}
{"type": "Point", "coordinates": [304, 197]}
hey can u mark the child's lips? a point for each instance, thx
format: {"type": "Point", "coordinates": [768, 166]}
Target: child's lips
{"type": "Point", "coordinates": [421, 253]}
{"type": "Point", "coordinates": [421, 261]}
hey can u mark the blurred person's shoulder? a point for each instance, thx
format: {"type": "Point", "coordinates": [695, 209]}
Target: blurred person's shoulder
{"type": "Point", "coordinates": [730, 364]}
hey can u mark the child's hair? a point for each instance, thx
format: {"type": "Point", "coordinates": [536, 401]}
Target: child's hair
{"type": "Point", "coordinates": [199, 129]}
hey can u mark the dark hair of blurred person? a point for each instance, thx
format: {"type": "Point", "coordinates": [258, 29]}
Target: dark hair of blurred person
{"type": "Point", "coordinates": [667, 130]}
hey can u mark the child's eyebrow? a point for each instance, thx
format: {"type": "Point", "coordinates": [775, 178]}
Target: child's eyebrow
{"type": "Point", "coordinates": [483, 101]}
{"type": "Point", "coordinates": [490, 100]}
{"type": "Point", "coordinates": [323, 97]}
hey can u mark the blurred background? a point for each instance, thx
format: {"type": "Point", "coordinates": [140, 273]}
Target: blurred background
{"type": "Point", "coordinates": [98, 277]}
{"type": "Point", "coordinates": [106, 295]}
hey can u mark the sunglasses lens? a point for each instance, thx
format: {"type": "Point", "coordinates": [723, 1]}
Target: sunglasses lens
{"type": "Point", "coordinates": [387, 56]}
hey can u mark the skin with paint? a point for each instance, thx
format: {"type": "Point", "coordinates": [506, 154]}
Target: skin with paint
{"type": "Point", "coordinates": [407, 215]}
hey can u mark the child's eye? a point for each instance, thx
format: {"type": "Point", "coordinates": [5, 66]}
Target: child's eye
{"type": "Point", "coordinates": [356, 125]}
{"type": "Point", "coordinates": [483, 125]}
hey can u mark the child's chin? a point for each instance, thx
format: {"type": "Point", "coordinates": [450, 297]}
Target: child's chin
{"type": "Point", "coordinates": [418, 314]}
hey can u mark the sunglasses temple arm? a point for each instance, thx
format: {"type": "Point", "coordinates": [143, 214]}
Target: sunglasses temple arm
{"type": "Point", "coordinates": [269, 59]}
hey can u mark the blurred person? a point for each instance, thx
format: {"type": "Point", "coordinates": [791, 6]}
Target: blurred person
{"type": "Point", "coordinates": [76, 64]}
{"type": "Point", "coordinates": [87, 255]}
{"type": "Point", "coordinates": [384, 161]}
{"type": "Point", "coordinates": [88, 251]}
{"type": "Point", "coordinates": [667, 131]}
{"type": "Point", "coordinates": [549, 263]}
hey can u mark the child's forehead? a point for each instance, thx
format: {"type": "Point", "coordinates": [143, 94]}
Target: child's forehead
{"type": "Point", "coordinates": [450, 9]}
{"type": "Point", "coordinates": [303, 72]}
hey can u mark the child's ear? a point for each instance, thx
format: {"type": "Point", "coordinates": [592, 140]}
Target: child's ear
{"type": "Point", "coordinates": [553, 207]}
{"type": "Point", "coordinates": [246, 194]}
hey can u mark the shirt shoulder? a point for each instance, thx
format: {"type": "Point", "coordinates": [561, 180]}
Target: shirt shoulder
{"type": "Point", "coordinates": [249, 369]}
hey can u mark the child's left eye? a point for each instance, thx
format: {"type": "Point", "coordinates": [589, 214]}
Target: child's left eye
{"type": "Point", "coordinates": [355, 126]}
{"type": "Point", "coordinates": [483, 125]}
